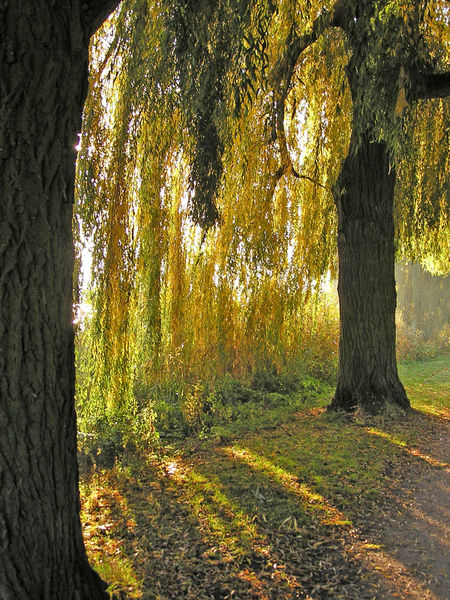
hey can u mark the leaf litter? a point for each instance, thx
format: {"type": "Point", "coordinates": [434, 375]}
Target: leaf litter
{"type": "Point", "coordinates": [318, 508]}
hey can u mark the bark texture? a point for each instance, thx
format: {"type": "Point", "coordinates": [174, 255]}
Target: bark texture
{"type": "Point", "coordinates": [364, 197]}
{"type": "Point", "coordinates": [437, 85]}
{"type": "Point", "coordinates": [43, 59]}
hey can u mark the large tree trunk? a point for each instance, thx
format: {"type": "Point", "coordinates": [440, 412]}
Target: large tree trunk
{"type": "Point", "coordinates": [43, 57]}
{"type": "Point", "coordinates": [364, 197]}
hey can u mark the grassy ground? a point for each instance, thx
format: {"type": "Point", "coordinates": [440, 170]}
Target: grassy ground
{"type": "Point", "coordinates": [427, 384]}
{"type": "Point", "coordinates": [278, 503]}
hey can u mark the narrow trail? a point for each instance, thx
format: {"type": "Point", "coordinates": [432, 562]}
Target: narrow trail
{"type": "Point", "coordinates": [412, 526]}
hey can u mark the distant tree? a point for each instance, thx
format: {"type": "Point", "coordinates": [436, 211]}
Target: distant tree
{"type": "Point", "coordinates": [423, 301]}
{"type": "Point", "coordinates": [43, 76]}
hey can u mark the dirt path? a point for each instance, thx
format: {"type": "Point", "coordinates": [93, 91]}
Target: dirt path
{"type": "Point", "coordinates": [413, 525]}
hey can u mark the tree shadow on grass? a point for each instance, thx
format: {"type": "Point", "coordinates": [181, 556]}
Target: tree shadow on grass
{"type": "Point", "coordinates": [207, 542]}
{"type": "Point", "coordinates": [265, 518]}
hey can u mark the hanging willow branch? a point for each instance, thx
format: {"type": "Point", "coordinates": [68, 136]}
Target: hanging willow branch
{"type": "Point", "coordinates": [196, 95]}
{"type": "Point", "coordinates": [281, 81]}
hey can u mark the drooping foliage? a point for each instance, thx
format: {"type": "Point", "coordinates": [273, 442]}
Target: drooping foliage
{"type": "Point", "coordinates": [423, 300]}
{"type": "Point", "coordinates": [423, 187]}
{"type": "Point", "coordinates": [213, 135]}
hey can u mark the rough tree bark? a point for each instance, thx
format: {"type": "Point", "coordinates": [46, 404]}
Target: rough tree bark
{"type": "Point", "coordinates": [364, 197]}
{"type": "Point", "coordinates": [43, 60]}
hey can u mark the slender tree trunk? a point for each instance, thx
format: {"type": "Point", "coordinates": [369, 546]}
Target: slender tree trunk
{"type": "Point", "coordinates": [43, 57]}
{"type": "Point", "coordinates": [364, 197]}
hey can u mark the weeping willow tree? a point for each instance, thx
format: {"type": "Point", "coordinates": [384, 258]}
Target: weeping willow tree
{"type": "Point", "coordinates": [228, 150]}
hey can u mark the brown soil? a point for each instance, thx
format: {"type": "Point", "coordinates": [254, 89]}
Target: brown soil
{"type": "Point", "coordinates": [413, 524]}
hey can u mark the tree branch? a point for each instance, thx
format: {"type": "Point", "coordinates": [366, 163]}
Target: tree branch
{"type": "Point", "coordinates": [283, 72]}
{"type": "Point", "coordinates": [437, 85]}
{"type": "Point", "coordinates": [95, 12]}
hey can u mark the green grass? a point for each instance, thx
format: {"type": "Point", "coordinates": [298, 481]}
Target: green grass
{"type": "Point", "coordinates": [280, 477]}
{"type": "Point", "coordinates": [427, 384]}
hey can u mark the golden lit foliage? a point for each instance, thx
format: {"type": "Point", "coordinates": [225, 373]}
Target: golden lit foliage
{"type": "Point", "coordinates": [173, 300]}
{"type": "Point", "coordinates": [423, 187]}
